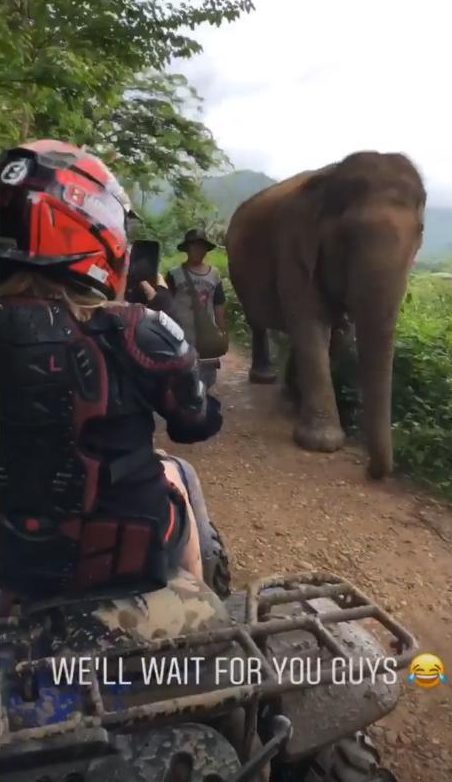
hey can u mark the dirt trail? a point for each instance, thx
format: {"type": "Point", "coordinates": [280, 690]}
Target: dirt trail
{"type": "Point", "coordinates": [278, 507]}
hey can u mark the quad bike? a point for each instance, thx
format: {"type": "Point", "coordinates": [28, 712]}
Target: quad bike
{"type": "Point", "coordinates": [125, 687]}
{"type": "Point", "coordinates": [114, 725]}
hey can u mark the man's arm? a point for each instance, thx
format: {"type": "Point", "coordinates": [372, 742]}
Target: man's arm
{"type": "Point", "coordinates": [219, 301]}
{"type": "Point", "coordinates": [160, 298]}
{"type": "Point", "coordinates": [171, 285]}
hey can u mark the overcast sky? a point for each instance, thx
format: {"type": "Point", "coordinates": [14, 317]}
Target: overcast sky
{"type": "Point", "coordinates": [301, 83]}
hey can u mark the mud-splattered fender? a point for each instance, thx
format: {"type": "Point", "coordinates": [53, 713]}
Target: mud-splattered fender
{"type": "Point", "coordinates": [323, 714]}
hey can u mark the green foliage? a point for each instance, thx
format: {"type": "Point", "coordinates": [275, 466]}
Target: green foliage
{"type": "Point", "coordinates": [445, 265]}
{"type": "Point", "coordinates": [237, 325]}
{"type": "Point", "coordinates": [68, 70]}
{"type": "Point", "coordinates": [422, 389]}
{"type": "Point", "coordinates": [225, 191]}
{"type": "Point", "coordinates": [230, 190]}
{"type": "Point", "coordinates": [190, 210]}
{"type": "Point", "coordinates": [148, 135]}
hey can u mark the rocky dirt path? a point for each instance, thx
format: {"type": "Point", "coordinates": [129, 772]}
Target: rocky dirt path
{"type": "Point", "coordinates": [279, 507]}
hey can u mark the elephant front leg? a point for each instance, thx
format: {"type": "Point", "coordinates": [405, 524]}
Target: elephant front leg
{"type": "Point", "coordinates": [308, 324]}
{"type": "Point", "coordinates": [318, 427]}
{"type": "Point", "coordinates": [262, 370]}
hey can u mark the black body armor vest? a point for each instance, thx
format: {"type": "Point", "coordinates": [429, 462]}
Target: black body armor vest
{"type": "Point", "coordinates": [73, 428]}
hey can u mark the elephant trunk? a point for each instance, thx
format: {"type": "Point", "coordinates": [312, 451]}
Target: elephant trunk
{"type": "Point", "coordinates": [378, 276]}
{"type": "Point", "coordinates": [375, 350]}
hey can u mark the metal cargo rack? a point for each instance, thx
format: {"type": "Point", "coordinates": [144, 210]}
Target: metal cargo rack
{"type": "Point", "coordinates": [261, 596]}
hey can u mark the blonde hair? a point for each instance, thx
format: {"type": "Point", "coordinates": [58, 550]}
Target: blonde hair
{"type": "Point", "coordinates": [34, 285]}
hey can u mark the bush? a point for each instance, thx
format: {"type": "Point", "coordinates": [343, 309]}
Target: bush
{"type": "Point", "coordinates": [235, 318]}
{"type": "Point", "coordinates": [422, 386]}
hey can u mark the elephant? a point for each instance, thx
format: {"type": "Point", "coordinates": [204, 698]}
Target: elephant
{"type": "Point", "coordinates": [319, 249]}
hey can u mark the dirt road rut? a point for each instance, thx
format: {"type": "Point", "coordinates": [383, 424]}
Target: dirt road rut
{"type": "Point", "coordinates": [278, 507]}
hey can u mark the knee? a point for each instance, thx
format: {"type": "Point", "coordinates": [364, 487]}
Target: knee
{"type": "Point", "coordinates": [187, 473]}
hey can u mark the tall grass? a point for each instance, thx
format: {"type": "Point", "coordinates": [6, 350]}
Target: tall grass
{"type": "Point", "coordinates": [422, 386]}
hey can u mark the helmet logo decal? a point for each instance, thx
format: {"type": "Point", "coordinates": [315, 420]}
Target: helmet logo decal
{"type": "Point", "coordinates": [74, 195]}
{"type": "Point", "coordinates": [97, 273]}
{"type": "Point", "coordinates": [15, 172]}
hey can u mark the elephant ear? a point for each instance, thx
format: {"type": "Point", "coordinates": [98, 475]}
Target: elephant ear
{"type": "Point", "coordinates": [308, 209]}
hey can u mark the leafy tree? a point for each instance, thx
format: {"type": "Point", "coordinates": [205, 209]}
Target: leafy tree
{"type": "Point", "coordinates": [216, 229]}
{"type": "Point", "coordinates": [93, 72]}
{"type": "Point", "coordinates": [65, 64]}
{"type": "Point", "coordinates": [189, 209]}
{"type": "Point", "coordinates": [149, 137]}
{"type": "Point", "coordinates": [58, 66]}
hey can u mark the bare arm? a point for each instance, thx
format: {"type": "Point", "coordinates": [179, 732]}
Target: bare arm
{"type": "Point", "coordinates": [220, 317]}
{"type": "Point", "coordinates": [219, 301]}
{"type": "Point", "coordinates": [160, 298]}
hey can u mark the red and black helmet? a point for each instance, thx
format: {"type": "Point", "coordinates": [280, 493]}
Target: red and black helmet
{"type": "Point", "coordinates": [63, 212]}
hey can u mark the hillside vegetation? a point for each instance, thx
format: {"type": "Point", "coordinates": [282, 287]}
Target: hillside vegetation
{"type": "Point", "coordinates": [229, 191]}
{"type": "Point", "coordinates": [422, 398]}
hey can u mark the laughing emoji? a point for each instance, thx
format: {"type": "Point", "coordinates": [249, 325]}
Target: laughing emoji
{"type": "Point", "coordinates": [427, 671]}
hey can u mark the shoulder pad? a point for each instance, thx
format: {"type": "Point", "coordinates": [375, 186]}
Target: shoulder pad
{"type": "Point", "coordinates": [158, 336]}
{"type": "Point", "coordinates": [170, 325]}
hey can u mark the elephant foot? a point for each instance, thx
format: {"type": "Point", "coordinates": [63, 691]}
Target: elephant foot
{"type": "Point", "coordinates": [262, 376]}
{"type": "Point", "coordinates": [326, 437]}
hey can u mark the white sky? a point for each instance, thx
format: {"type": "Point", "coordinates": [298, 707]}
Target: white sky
{"type": "Point", "coordinates": [301, 83]}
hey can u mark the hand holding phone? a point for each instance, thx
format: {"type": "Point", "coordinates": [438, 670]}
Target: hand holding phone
{"type": "Point", "coordinates": [148, 290]}
{"type": "Point", "coordinates": [143, 268]}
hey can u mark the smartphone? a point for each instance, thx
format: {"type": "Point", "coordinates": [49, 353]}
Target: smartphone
{"type": "Point", "coordinates": [143, 267]}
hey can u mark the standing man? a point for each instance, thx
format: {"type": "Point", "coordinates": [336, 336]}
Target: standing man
{"type": "Point", "coordinates": [192, 278]}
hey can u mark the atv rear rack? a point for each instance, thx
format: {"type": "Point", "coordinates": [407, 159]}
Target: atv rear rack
{"type": "Point", "coordinates": [251, 636]}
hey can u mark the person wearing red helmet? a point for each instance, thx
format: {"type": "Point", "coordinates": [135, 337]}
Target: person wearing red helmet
{"type": "Point", "coordinates": [84, 499]}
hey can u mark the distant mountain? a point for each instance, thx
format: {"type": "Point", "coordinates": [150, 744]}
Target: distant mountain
{"type": "Point", "coordinates": [228, 191]}
{"type": "Point", "coordinates": [437, 234]}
